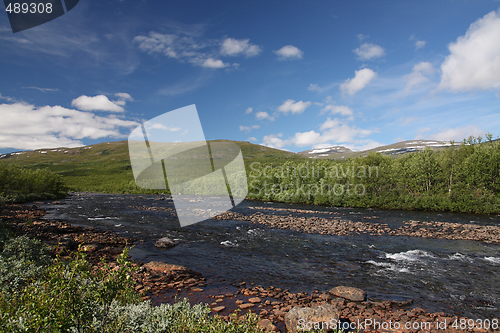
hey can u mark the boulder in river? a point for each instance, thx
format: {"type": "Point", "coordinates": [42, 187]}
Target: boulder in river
{"type": "Point", "coordinates": [166, 243]}
{"type": "Point", "coordinates": [302, 318]}
{"type": "Point", "coordinates": [349, 293]}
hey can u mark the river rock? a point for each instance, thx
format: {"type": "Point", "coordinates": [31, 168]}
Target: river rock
{"type": "Point", "coordinates": [298, 318]}
{"type": "Point", "coordinates": [218, 308]}
{"type": "Point", "coordinates": [349, 293]}
{"type": "Point", "coordinates": [166, 243]}
{"type": "Point", "coordinates": [164, 267]}
{"type": "Point", "coordinates": [267, 325]}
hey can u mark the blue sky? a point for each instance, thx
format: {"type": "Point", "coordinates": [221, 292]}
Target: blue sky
{"type": "Point", "coordinates": [293, 75]}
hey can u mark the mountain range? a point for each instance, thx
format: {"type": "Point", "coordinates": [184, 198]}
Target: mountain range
{"type": "Point", "coordinates": [340, 152]}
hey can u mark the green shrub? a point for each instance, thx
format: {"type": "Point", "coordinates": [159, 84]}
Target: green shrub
{"type": "Point", "coordinates": [5, 233]}
{"type": "Point", "coordinates": [22, 259]}
{"type": "Point", "coordinates": [65, 296]}
{"type": "Point", "coordinates": [19, 184]}
{"type": "Point", "coordinates": [172, 318]}
{"type": "Point", "coordinates": [77, 297]}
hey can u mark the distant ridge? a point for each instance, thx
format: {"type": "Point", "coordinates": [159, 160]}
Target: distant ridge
{"type": "Point", "coordinates": [119, 152]}
{"type": "Point", "coordinates": [340, 152]}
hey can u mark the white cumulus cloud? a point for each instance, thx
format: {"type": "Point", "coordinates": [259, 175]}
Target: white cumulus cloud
{"type": "Point", "coordinates": [474, 60]}
{"type": "Point", "coordinates": [362, 37]}
{"type": "Point", "coordinates": [289, 52]}
{"type": "Point", "coordinates": [456, 134]}
{"type": "Point", "coordinates": [261, 115]}
{"type": "Point", "coordinates": [359, 81]}
{"type": "Point", "coordinates": [420, 44]}
{"type": "Point", "coordinates": [160, 126]}
{"type": "Point", "coordinates": [248, 128]}
{"type": "Point", "coordinates": [275, 141]}
{"type": "Point", "coordinates": [123, 98]}
{"type": "Point", "coordinates": [368, 51]}
{"type": "Point", "coordinates": [234, 47]}
{"type": "Point", "coordinates": [419, 75]}
{"type": "Point", "coordinates": [302, 139]}
{"type": "Point", "coordinates": [294, 107]}
{"type": "Point", "coordinates": [248, 111]}
{"type": "Point", "coordinates": [314, 87]}
{"type": "Point", "coordinates": [212, 63]}
{"type": "Point", "coordinates": [96, 103]}
{"type": "Point", "coordinates": [332, 131]}
{"type": "Point", "coordinates": [338, 109]}
{"type": "Point", "coordinates": [337, 131]}
{"type": "Point", "coordinates": [25, 126]}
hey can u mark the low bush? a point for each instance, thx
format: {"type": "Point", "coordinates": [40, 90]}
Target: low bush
{"type": "Point", "coordinates": [19, 184]}
{"type": "Point", "coordinates": [170, 318]}
{"type": "Point", "coordinates": [5, 233]}
{"type": "Point", "coordinates": [39, 294]}
{"type": "Point", "coordinates": [64, 296]}
{"type": "Point", "coordinates": [22, 260]}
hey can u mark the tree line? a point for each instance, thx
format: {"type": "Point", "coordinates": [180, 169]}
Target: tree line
{"type": "Point", "coordinates": [20, 184]}
{"type": "Point", "coordinates": [461, 178]}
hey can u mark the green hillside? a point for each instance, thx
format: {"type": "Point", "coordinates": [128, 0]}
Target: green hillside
{"type": "Point", "coordinates": [105, 167]}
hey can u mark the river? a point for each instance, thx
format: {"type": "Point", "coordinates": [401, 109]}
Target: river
{"type": "Point", "coordinates": [453, 276]}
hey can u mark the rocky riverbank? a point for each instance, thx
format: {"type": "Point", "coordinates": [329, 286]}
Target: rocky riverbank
{"type": "Point", "coordinates": [343, 227]}
{"type": "Point", "coordinates": [282, 218]}
{"type": "Point", "coordinates": [163, 282]}
{"type": "Point", "coordinates": [352, 309]}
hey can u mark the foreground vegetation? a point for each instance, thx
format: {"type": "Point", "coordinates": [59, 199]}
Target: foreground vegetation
{"type": "Point", "coordinates": [41, 294]}
{"type": "Point", "coordinates": [459, 179]}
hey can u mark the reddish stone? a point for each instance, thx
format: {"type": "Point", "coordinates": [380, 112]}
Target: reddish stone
{"type": "Point", "coordinates": [218, 308]}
